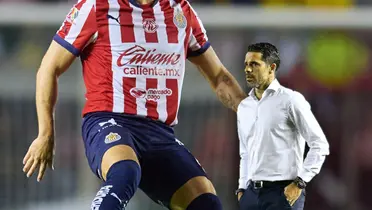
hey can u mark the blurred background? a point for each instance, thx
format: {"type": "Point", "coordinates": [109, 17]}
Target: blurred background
{"type": "Point", "coordinates": [325, 48]}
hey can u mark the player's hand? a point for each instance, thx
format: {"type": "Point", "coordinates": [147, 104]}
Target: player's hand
{"type": "Point", "coordinates": [240, 194]}
{"type": "Point", "coordinates": [292, 193]}
{"type": "Point", "coordinates": [39, 155]}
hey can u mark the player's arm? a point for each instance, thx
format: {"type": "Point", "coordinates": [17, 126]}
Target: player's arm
{"type": "Point", "coordinates": [55, 62]}
{"type": "Point", "coordinates": [203, 56]}
{"type": "Point", "coordinates": [77, 31]}
{"type": "Point", "coordinates": [222, 82]}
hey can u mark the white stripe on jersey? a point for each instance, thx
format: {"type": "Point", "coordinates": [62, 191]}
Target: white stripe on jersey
{"type": "Point", "coordinates": [114, 27]}
{"type": "Point", "coordinates": [141, 102]}
{"type": "Point", "coordinates": [117, 80]}
{"type": "Point", "coordinates": [162, 39]}
{"type": "Point", "coordinates": [160, 21]}
{"type": "Point", "coordinates": [118, 95]}
{"type": "Point", "coordinates": [78, 24]}
{"type": "Point", "coordinates": [139, 32]}
{"type": "Point", "coordinates": [180, 83]}
{"type": "Point", "coordinates": [181, 37]}
{"type": "Point", "coordinates": [162, 103]}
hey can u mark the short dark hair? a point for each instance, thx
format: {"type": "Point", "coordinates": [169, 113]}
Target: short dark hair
{"type": "Point", "coordinates": [270, 53]}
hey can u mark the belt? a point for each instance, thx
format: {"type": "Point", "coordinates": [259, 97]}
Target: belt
{"type": "Point", "coordinates": [268, 184]}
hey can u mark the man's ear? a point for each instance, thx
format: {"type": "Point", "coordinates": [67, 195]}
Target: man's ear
{"type": "Point", "coordinates": [273, 68]}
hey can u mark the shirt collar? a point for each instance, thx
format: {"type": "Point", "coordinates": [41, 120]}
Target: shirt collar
{"type": "Point", "coordinates": [274, 86]}
{"type": "Point", "coordinates": [251, 93]}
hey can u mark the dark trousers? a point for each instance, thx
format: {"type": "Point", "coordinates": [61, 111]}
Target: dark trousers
{"type": "Point", "coordinates": [270, 197]}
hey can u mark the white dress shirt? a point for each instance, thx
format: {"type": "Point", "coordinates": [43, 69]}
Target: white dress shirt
{"type": "Point", "coordinates": [272, 134]}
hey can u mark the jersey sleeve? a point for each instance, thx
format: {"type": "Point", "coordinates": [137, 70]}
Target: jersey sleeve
{"type": "Point", "coordinates": [198, 42]}
{"type": "Point", "coordinates": [79, 28]}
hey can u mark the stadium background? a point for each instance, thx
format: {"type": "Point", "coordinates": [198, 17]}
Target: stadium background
{"type": "Point", "coordinates": [325, 48]}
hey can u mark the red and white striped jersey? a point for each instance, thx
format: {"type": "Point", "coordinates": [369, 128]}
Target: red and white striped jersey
{"type": "Point", "coordinates": [133, 56]}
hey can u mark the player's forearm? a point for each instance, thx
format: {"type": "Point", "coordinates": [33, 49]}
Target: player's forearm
{"type": "Point", "coordinates": [228, 90]}
{"type": "Point", "coordinates": [55, 62]}
{"type": "Point", "coordinates": [46, 96]}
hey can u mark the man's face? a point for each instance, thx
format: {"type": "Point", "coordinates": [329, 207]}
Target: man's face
{"type": "Point", "coordinates": [257, 72]}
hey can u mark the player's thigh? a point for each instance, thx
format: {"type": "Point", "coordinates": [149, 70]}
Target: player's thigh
{"type": "Point", "coordinates": [193, 188]}
{"type": "Point", "coordinates": [106, 145]}
{"type": "Point", "coordinates": [115, 154]}
{"type": "Point", "coordinates": [173, 177]}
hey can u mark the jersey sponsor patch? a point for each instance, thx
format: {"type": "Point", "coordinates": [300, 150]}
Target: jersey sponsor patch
{"type": "Point", "coordinates": [150, 94]}
{"type": "Point", "coordinates": [141, 61]}
{"type": "Point", "coordinates": [138, 55]}
{"type": "Point", "coordinates": [112, 137]}
{"type": "Point", "coordinates": [74, 13]}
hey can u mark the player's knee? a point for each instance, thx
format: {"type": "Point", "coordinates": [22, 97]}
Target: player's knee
{"type": "Point", "coordinates": [190, 191]}
{"type": "Point", "coordinates": [122, 182]}
{"type": "Point", "coordinates": [116, 154]}
{"type": "Point", "coordinates": [206, 201]}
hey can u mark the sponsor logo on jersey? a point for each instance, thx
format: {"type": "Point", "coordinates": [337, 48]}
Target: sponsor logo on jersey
{"type": "Point", "coordinates": [138, 92]}
{"type": "Point", "coordinates": [114, 18]}
{"type": "Point", "coordinates": [150, 94]}
{"type": "Point", "coordinates": [149, 25]}
{"type": "Point", "coordinates": [112, 137]}
{"type": "Point", "coordinates": [155, 71]}
{"type": "Point", "coordinates": [74, 13]}
{"type": "Point", "coordinates": [138, 55]}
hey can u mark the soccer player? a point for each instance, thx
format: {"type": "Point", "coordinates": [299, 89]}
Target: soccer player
{"type": "Point", "coordinates": [133, 55]}
{"type": "Point", "coordinates": [273, 173]}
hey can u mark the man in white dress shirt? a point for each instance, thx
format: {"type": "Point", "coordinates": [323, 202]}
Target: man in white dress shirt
{"type": "Point", "coordinates": [274, 123]}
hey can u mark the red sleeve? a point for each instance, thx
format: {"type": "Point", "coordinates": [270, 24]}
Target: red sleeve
{"type": "Point", "coordinates": [198, 42]}
{"type": "Point", "coordinates": [79, 28]}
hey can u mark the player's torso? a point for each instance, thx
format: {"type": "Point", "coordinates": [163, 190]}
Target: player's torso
{"type": "Point", "coordinates": [148, 48]}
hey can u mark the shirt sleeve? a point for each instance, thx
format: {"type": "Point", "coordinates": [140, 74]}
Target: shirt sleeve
{"type": "Point", "coordinates": [198, 41]}
{"type": "Point", "coordinates": [79, 28]}
{"type": "Point", "coordinates": [243, 170]}
{"type": "Point", "coordinates": [309, 128]}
